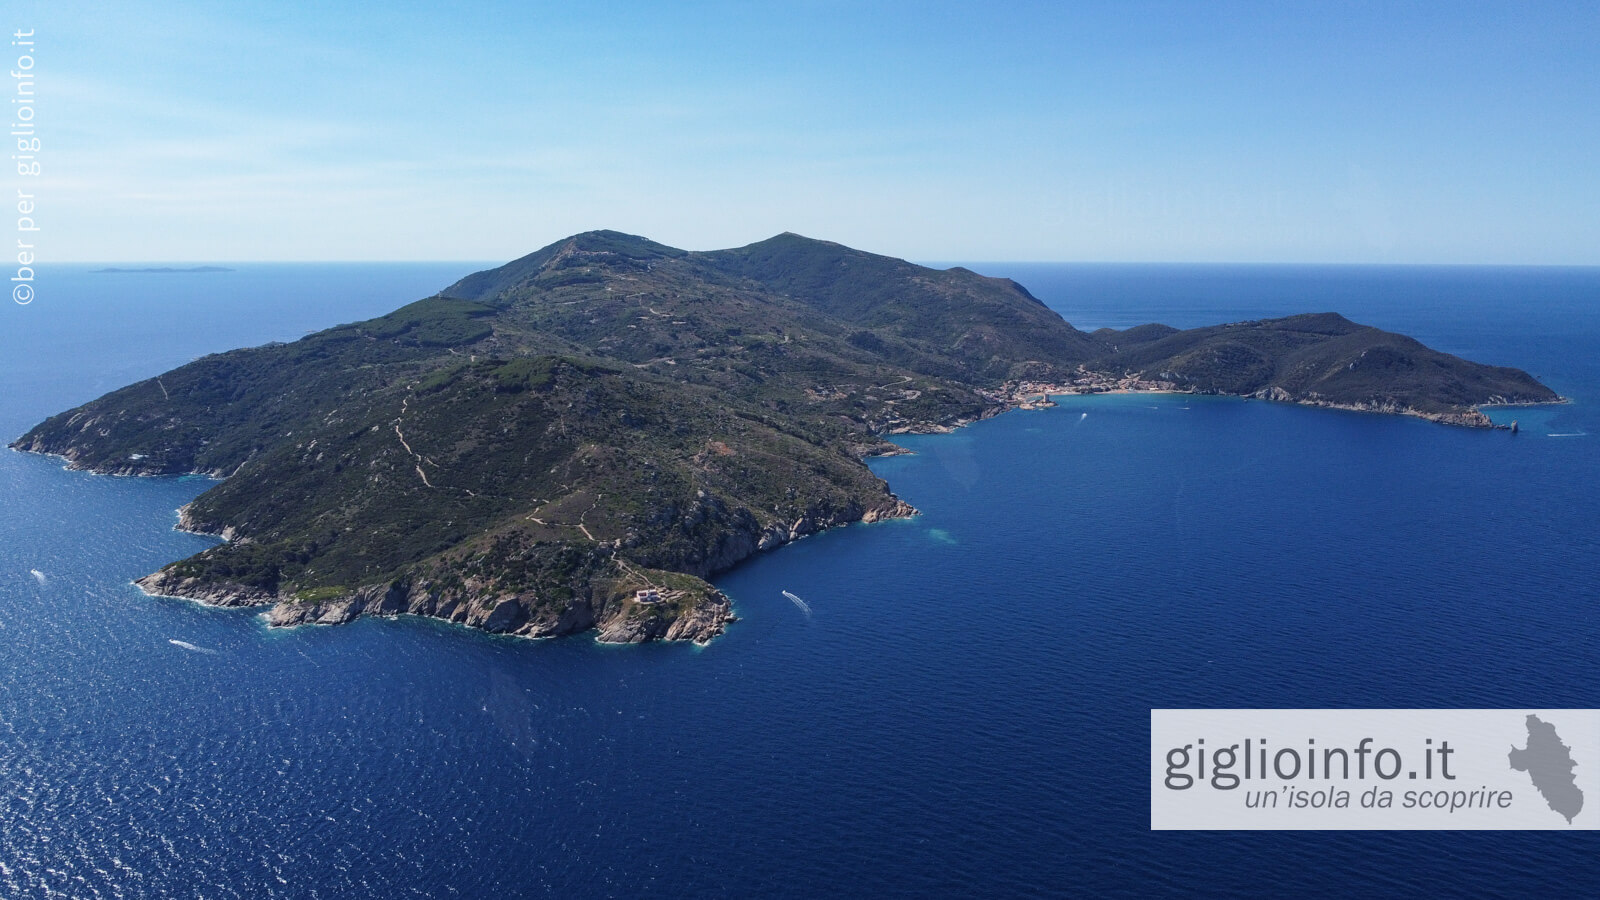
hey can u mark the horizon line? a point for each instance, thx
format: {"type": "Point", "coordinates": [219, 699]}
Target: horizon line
{"type": "Point", "coordinates": [42, 266]}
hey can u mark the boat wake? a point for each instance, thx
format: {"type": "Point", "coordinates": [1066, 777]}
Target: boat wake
{"type": "Point", "coordinates": [38, 576]}
{"type": "Point", "coordinates": [1563, 434]}
{"type": "Point", "coordinates": [804, 606]}
{"type": "Point", "coordinates": [190, 647]}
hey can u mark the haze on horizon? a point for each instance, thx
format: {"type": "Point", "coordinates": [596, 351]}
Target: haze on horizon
{"type": "Point", "coordinates": [1426, 132]}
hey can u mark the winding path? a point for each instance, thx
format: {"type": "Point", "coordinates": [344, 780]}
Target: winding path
{"type": "Point", "coordinates": [404, 405]}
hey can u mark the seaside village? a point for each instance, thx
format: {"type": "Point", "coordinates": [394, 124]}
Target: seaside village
{"type": "Point", "coordinates": [1036, 394]}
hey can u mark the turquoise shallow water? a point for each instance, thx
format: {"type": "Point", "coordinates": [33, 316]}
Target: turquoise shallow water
{"type": "Point", "coordinates": [965, 710]}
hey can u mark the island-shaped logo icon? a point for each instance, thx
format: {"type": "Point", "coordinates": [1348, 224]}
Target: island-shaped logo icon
{"type": "Point", "coordinates": [1549, 764]}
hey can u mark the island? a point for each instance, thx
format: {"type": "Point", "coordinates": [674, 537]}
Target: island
{"type": "Point", "coordinates": [159, 270]}
{"type": "Point", "coordinates": [580, 439]}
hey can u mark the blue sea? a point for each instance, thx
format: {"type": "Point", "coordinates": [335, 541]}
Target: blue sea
{"type": "Point", "coordinates": [964, 713]}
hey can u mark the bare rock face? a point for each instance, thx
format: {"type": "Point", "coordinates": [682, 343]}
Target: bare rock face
{"type": "Point", "coordinates": [899, 509]}
{"type": "Point", "coordinates": [615, 621]}
{"type": "Point", "coordinates": [212, 593]}
{"type": "Point", "coordinates": [633, 624]}
{"type": "Point", "coordinates": [337, 612]}
{"type": "Point", "coordinates": [706, 621]}
{"type": "Point", "coordinates": [188, 521]}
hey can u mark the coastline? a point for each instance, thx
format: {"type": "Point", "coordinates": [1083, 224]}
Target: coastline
{"type": "Point", "coordinates": [1040, 395]}
{"type": "Point", "coordinates": [614, 616]}
{"type": "Point", "coordinates": [128, 471]}
{"type": "Point", "coordinates": [697, 613]}
{"type": "Point", "coordinates": [617, 620]}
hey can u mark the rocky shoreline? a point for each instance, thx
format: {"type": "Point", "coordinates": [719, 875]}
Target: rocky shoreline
{"type": "Point", "coordinates": [1036, 395]}
{"type": "Point", "coordinates": [615, 619]}
{"type": "Point", "coordinates": [133, 467]}
{"type": "Point", "coordinates": [615, 615]}
{"type": "Point", "coordinates": [618, 618]}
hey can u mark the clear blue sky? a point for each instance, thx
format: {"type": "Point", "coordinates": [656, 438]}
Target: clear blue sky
{"type": "Point", "coordinates": [1450, 132]}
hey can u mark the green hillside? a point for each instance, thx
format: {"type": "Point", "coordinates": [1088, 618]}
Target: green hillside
{"type": "Point", "coordinates": [538, 443]}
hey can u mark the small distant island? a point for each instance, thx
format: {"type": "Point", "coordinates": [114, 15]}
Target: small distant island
{"type": "Point", "coordinates": [159, 270]}
{"type": "Point", "coordinates": [581, 438]}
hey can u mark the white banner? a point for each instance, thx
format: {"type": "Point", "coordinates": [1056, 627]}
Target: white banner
{"type": "Point", "coordinates": [1236, 769]}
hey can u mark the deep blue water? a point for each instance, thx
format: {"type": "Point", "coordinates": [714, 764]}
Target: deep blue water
{"type": "Point", "coordinates": [966, 711]}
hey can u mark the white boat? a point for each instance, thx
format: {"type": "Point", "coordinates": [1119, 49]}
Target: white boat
{"type": "Point", "coordinates": [804, 607]}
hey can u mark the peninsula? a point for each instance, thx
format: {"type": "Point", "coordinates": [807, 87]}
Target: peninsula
{"type": "Point", "coordinates": [581, 438]}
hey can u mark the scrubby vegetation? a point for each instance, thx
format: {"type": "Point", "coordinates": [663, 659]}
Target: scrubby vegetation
{"type": "Point", "coordinates": [609, 407]}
